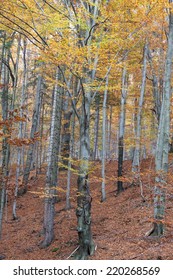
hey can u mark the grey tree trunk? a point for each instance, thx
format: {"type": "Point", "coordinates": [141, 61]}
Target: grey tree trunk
{"type": "Point", "coordinates": [66, 139]}
{"type": "Point", "coordinates": [83, 212]}
{"type": "Point", "coordinates": [52, 168]}
{"type": "Point", "coordinates": [16, 66]}
{"type": "Point", "coordinates": [65, 143]}
{"type": "Point", "coordinates": [84, 199]}
{"type": "Point", "coordinates": [40, 148]}
{"type": "Point", "coordinates": [156, 91]}
{"type": "Point", "coordinates": [162, 149]}
{"type": "Point", "coordinates": [68, 205]}
{"type": "Point", "coordinates": [109, 134]}
{"type": "Point", "coordinates": [19, 149]}
{"type": "Point", "coordinates": [35, 120]}
{"type": "Point", "coordinates": [96, 127]}
{"type": "Point", "coordinates": [136, 158]}
{"type": "Point", "coordinates": [120, 187]}
{"type": "Point", "coordinates": [5, 146]}
{"type": "Point", "coordinates": [103, 191]}
{"type": "Point", "coordinates": [157, 97]}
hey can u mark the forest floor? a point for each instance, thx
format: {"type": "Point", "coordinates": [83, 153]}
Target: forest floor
{"type": "Point", "coordinates": [119, 224]}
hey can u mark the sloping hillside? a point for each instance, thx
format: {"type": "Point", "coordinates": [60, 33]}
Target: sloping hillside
{"type": "Point", "coordinates": [119, 225]}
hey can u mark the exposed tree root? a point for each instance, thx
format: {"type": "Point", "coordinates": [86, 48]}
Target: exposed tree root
{"type": "Point", "coordinates": [155, 231]}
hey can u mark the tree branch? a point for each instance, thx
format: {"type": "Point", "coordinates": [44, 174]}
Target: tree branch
{"type": "Point", "coordinates": [69, 92]}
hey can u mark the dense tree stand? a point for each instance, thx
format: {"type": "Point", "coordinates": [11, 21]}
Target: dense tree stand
{"type": "Point", "coordinates": [86, 104]}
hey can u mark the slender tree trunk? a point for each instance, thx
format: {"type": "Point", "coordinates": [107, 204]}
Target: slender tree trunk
{"type": "Point", "coordinates": [109, 134]}
{"type": "Point", "coordinates": [40, 150]}
{"type": "Point", "coordinates": [19, 149]}
{"type": "Point", "coordinates": [104, 140]}
{"type": "Point", "coordinates": [52, 169]}
{"type": "Point", "coordinates": [16, 67]}
{"type": "Point", "coordinates": [65, 143]}
{"type": "Point", "coordinates": [157, 98]}
{"type": "Point", "coordinates": [121, 131]}
{"type": "Point", "coordinates": [96, 128]}
{"type": "Point", "coordinates": [37, 144]}
{"type": "Point", "coordinates": [66, 139]}
{"type": "Point", "coordinates": [136, 158]}
{"type": "Point", "coordinates": [35, 120]}
{"type": "Point", "coordinates": [156, 92]}
{"type": "Point", "coordinates": [5, 146]}
{"type": "Point", "coordinates": [68, 205]}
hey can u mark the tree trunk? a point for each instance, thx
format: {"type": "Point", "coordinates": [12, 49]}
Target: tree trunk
{"type": "Point", "coordinates": [84, 199]}
{"type": "Point", "coordinates": [5, 146]}
{"type": "Point", "coordinates": [109, 134]}
{"type": "Point", "coordinates": [19, 149]}
{"type": "Point", "coordinates": [96, 128]}
{"type": "Point", "coordinates": [66, 139]}
{"type": "Point", "coordinates": [68, 205]}
{"type": "Point", "coordinates": [104, 140]}
{"type": "Point", "coordinates": [52, 169]}
{"type": "Point", "coordinates": [157, 97]}
{"type": "Point", "coordinates": [162, 150]}
{"type": "Point", "coordinates": [136, 158]}
{"type": "Point", "coordinates": [121, 131]}
{"type": "Point", "coordinates": [35, 120]}
{"type": "Point", "coordinates": [40, 148]}
{"type": "Point", "coordinates": [156, 91]}
{"type": "Point", "coordinates": [16, 67]}
{"type": "Point", "coordinates": [65, 143]}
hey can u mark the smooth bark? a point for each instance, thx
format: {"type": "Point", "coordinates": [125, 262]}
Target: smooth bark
{"type": "Point", "coordinates": [5, 145]}
{"type": "Point", "coordinates": [52, 168]}
{"type": "Point", "coordinates": [104, 140]}
{"type": "Point", "coordinates": [120, 187]}
{"type": "Point", "coordinates": [136, 157]}
{"type": "Point", "coordinates": [162, 149]}
{"type": "Point", "coordinates": [84, 199]}
{"type": "Point", "coordinates": [34, 127]}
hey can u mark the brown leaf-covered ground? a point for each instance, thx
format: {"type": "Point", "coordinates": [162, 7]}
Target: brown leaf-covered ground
{"type": "Point", "coordinates": [119, 224]}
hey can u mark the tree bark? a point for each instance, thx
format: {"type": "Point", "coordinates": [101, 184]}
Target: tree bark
{"type": "Point", "coordinates": [52, 169]}
{"type": "Point", "coordinates": [136, 158]}
{"type": "Point", "coordinates": [120, 187]}
{"type": "Point", "coordinates": [104, 140]}
{"type": "Point", "coordinates": [109, 156]}
{"type": "Point", "coordinates": [68, 205]}
{"type": "Point", "coordinates": [162, 149]}
{"type": "Point", "coordinates": [84, 199]}
{"type": "Point", "coordinates": [96, 127]}
{"type": "Point", "coordinates": [5, 146]}
{"type": "Point", "coordinates": [35, 120]}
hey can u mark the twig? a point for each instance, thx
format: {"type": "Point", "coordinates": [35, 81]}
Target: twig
{"type": "Point", "coordinates": [73, 252]}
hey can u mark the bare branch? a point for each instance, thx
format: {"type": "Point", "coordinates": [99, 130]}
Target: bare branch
{"type": "Point", "coordinates": [18, 31]}
{"type": "Point", "coordinates": [55, 9]}
{"type": "Point", "coordinates": [69, 92]}
{"type": "Point", "coordinates": [27, 24]}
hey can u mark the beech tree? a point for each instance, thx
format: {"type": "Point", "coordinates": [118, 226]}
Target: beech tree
{"type": "Point", "coordinates": [34, 127]}
{"type": "Point", "coordinates": [122, 130]}
{"type": "Point", "coordinates": [162, 149]}
{"type": "Point", "coordinates": [52, 169]}
{"type": "Point", "coordinates": [5, 123]}
{"type": "Point", "coordinates": [136, 157]}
